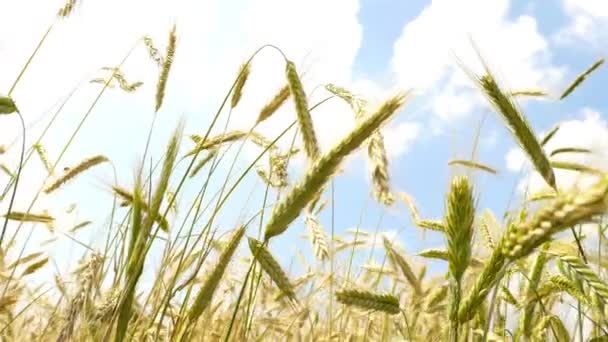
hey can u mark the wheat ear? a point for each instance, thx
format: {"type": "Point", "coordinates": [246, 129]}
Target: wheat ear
{"type": "Point", "coordinates": [311, 146]}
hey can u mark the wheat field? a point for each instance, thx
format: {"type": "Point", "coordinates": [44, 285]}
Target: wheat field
{"type": "Point", "coordinates": [531, 274]}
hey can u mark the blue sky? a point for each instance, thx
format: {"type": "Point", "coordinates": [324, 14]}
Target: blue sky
{"type": "Point", "coordinates": [371, 46]}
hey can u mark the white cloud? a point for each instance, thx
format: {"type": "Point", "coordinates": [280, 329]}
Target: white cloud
{"type": "Point", "coordinates": [515, 159]}
{"type": "Point", "coordinates": [588, 21]}
{"type": "Point", "coordinates": [424, 53]}
{"type": "Point", "coordinates": [398, 138]}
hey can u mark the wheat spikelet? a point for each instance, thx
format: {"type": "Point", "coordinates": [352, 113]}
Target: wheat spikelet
{"type": "Point", "coordinates": [556, 327]}
{"type": "Point", "coordinates": [399, 261]}
{"type": "Point", "coordinates": [154, 53]}
{"type": "Point", "coordinates": [127, 196]}
{"type": "Point", "coordinates": [508, 296]}
{"type": "Point", "coordinates": [222, 138]}
{"type": "Point", "coordinates": [529, 92]}
{"type": "Point", "coordinates": [411, 204]}
{"type": "Point", "coordinates": [87, 273]}
{"type": "Point", "coordinates": [35, 266]}
{"type": "Point", "coordinates": [488, 223]}
{"type": "Point", "coordinates": [7, 105]}
{"type": "Point", "coordinates": [436, 296]}
{"type": "Point", "coordinates": [317, 236]}
{"type": "Point", "coordinates": [30, 217]}
{"type": "Point", "coordinates": [580, 78]}
{"type": "Point", "coordinates": [585, 274]}
{"type": "Point", "coordinates": [205, 294]}
{"type": "Point", "coordinates": [41, 151]}
{"type": "Point", "coordinates": [472, 164]}
{"type": "Point", "coordinates": [518, 125]}
{"type": "Point", "coordinates": [525, 319]}
{"type": "Point", "coordinates": [212, 153]}
{"type": "Point", "coordinates": [67, 8]}
{"type": "Point", "coordinates": [379, 161]}
{"type": "Point", "coordinates": [80, 225]}
{"type": "Point", "coordinates": [74, 171]}
{"type": "Point", "coordinates": [436, 225]}
{"type": "Point", "coordinates": [166, 67]}
{"type": "Point", "coordinates": [274, 104]}
{"type": "Point", "coordinates": [569, 150]}
{"type": "Point", "coordinates": [119, 76]}
{"type": "Point", "coordinates": [488, 277]}
{"type": "Point", "coordinates": [555, 284]}
{"type": "Point", "coordinates": [387, 303]}
{"type": "Point", "coordinates": [24, 259]}
{"type": "Point", "coordinates": [566, 210]}
{"type": "Point", "coordinates": [459, 225]}
{"type": "Point", "coordinates": [165, 174]}
{"type": "Point", "coordinates": [311, 146]}
{"type": "Point", "coordinates": [269, 264]}
{"type": "Point", "coordinates": [242, 77]}
{"type": "Point", "coordinates": [324, 167]}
